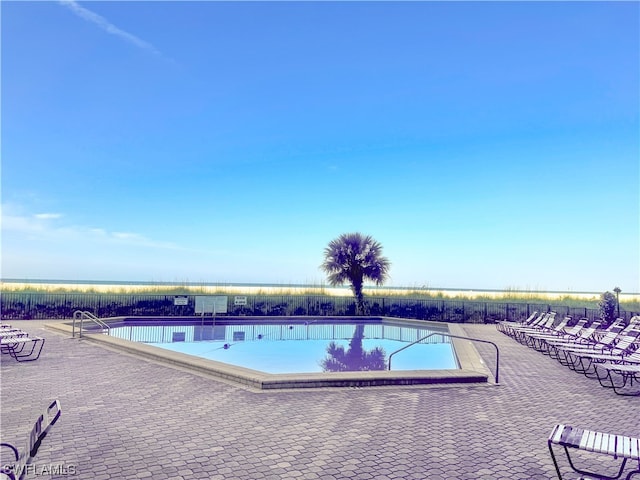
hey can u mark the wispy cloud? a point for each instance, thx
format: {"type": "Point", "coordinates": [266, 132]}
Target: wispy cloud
{"type": "Point", "coordinates": [47, 216]}
{"type": "Point", "coordinates": [46, 227]}
{"type": "Point", "coordinates": [107, 26]}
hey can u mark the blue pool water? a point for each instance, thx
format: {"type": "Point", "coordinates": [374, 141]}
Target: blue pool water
{"type": "Point", "coordinates": [301, 347]}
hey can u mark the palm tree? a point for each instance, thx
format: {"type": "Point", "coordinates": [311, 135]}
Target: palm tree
{"type": "Point", "coordinates": [355, 358]}
{"type": "Point", "coordinates": [617, 291]}
{"type": "Point", "coordinates": [355, 258]}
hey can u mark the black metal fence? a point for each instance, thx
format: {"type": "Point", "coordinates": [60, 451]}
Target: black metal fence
{"type": "Point", "coordinates": [24, 306]}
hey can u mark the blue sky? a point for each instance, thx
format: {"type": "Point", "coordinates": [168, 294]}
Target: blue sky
{"type": "Point", "coordinates": [485, 145]}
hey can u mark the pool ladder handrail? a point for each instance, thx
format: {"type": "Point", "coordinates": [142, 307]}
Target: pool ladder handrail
{"type": "Point", "coordinates": [454, 336]}
{"type": "Point", "coordinates": [81, 315]}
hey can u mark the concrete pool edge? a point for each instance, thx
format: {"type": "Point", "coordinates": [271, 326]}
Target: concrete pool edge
{"type": "Point", "coordinates": [472, 367]}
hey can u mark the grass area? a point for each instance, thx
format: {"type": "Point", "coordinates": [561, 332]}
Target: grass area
{"type": "Point", "coordinates": [629, 302]}
{"type": "Point", "coordinates": [566, 300]}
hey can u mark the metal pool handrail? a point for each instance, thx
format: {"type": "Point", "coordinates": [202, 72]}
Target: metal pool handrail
{"type": "Point", "coordinates": [81, 315]}
{"type": "Point", "coordinates": [453, 336]}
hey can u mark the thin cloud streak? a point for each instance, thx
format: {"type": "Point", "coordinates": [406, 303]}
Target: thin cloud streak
{"type": "Point", "coordinates": [107, 26]}
{"type": "Point", "coordinates": [47, 216]}
{"type": "Point", "coordinates": [16, 223]}
{"type": "Point", "coordinates": [39, 226]}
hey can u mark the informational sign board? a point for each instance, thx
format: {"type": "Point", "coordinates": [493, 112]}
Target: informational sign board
{"type": "Point", "coordinates": [212, 304]}
{"type": "Point", "coordinates": [181, 300]}
{"type": "Point", "coordinates": [239, 301]}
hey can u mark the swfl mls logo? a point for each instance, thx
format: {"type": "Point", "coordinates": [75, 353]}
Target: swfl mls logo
{"type": "Point", "coordinates": [39, 470]}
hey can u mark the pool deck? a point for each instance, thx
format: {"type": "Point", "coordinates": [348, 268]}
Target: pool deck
{"type": "Point", "coordinates": [129, 417]}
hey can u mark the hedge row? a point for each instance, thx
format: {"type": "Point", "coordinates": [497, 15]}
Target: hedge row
{"type": "Point", "coordinates": [24, 306]}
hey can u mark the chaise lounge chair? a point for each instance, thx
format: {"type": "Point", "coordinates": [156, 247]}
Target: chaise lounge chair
{"type": "Point", "coordinates": [585, 336]}
{"type": "Point", "coordinates": [505, 325]}
{"type": "Point", "coordinates": [584, 361]}
{"type": "Point", "coordinates": [544, 323]}
{"type": "Point", "coordinates": [616, 446]}
{"type": "Point", "coordinates": [12, 332]}
{"type": "Point", "coordinates": [619, 376]}
{"type": "Point", "coordinates": [605, 344]}
{"type": "Point", "coordinates": [17, 347]}
{"type": "Point", "coordinates": [536, 339]}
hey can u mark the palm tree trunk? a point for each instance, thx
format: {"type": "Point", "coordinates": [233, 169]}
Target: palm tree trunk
{"type": "Point", "coordinates": [357, 292]}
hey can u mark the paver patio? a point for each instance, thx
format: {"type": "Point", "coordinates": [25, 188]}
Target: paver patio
{"type": "Point", "coordinates": [126, 417]}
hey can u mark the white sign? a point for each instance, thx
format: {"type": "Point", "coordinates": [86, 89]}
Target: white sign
{"type": "Point", "coordinates": [211, 304]}
{"type": "Point", "coordinates": [239, 301]}
{"type": "Point", "coordinates": [181, 301]}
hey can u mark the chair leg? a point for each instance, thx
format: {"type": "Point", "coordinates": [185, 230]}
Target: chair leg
{"type": "Point", "coordinates": [620, 390]}
{"type": "Point", "coordinates": [607, 380]}
{"type": "Point", "coordinates": [36, 343]}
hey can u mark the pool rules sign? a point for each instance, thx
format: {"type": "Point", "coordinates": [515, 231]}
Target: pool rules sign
{"type": "Point", "coordinates": [181, 301]}
{"type": "Point", "coordinates": [213, 304]}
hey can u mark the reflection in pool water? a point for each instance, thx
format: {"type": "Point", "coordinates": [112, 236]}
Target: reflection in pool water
{"type": "Point", "coordinates": [355, 358]}
{"type": "Point", "coordinates": [302, 347]}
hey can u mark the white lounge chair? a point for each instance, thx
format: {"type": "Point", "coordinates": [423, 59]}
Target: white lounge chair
{"type": "Point", "coordinates": [22, 348]}
{"type": "Point", "coordinates": [616, 446]}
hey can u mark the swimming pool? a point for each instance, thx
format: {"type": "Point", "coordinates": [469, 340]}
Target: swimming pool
{"type": "Point", "coordinates": [302, 347]}
{"type": "Point", "coordinates": [178, 331]}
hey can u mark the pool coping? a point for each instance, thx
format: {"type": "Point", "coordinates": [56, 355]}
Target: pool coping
{"type": "Point", "coordinates": [472, 367]}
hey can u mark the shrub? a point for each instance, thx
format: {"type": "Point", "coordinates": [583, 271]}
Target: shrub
{"type": "Point", "coordinates": [607, 307]}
